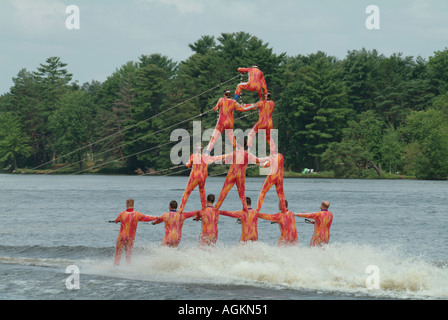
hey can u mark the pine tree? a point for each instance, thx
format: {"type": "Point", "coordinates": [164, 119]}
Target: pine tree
{"type": "Point", "coordinates": [314, 110]}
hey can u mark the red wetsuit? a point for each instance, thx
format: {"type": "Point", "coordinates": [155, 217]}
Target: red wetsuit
{"type": "Point", "coordinates": [266, 109]}
{"type": "Point", "coordinates": [322, 224]}
{"type": "Point", "coordinates": [199, 173]}
{"type": "Point", "coordinates": [174, 220]}
{"type": "Point", "coordinates": [249, 221]}
{"type": "Point", "coordinates": [275, 177]}
{"type": "Point", "coordinates": [287, 226]}
{"type": "Point", "coordinates": [129, 220]}
{"type": "Point", "coordinates": [226, 108]}
{"type": "Point", "coordinates": [256, 82]}
{"type": "Point", "coordinates": [239, 159]}
{"type": "Point", "coordinates": [210, 218]}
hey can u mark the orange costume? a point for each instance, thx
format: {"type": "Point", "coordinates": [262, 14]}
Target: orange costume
{"type": "Point", "coordinates": [287, 225]}
{"type": "Point", "coordinates": [249, 221]}
{"type": "Point", "coordinates": [198, 175]}
{"type": "Point", "coordinates": [174, 220]}
{"type": "Point", "coordinates": [275, 177]}
{"type": "Point", "coordinates": [239, 159]}
{"type": "Point", "coordinates": [256, 82]}
{"type": "Point", "coordinates": [210, 218]}
{"type": "Point", "coordinates": [266, 108]}
{"type": "Point", "coordinates": [129, 220]}
{"type": "Point", "coordinates": [226, 108]}
{"type": "Point", "coordinates": [322, 224]}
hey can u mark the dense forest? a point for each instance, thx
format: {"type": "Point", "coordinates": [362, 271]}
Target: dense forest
{"type": "Point", "coordinates": [364, 116]}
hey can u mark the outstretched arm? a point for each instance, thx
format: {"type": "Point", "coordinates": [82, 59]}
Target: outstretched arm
{"type": "Point", "coordinates": [265, 161]}
{"type": "Point", "coordinates": [306, 215]}
{"type": "Point", "coordinates": [190, 214]}
{"type": "Point", "coordinates": [232, 214]}
{"type": "Point", "coordinates": [146, 218]}
{"type": "Point", "coordinates": [246, 107]}
{"type": "Point", "coordinates": [215, 158]}
{"type": "Point", "coordinates": [243, 70]}
{"type": "Point", "coordinates": [266, 216]}
{"type": "Point", "coordinates": [159, 219]}
{"type": "Point", "coordinates": [118, 219]}
{"type": "Point", "coordinates": [253, 159]}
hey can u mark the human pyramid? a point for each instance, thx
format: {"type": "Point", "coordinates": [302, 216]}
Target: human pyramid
{"type": "Point", "coordinates": [238, 159]}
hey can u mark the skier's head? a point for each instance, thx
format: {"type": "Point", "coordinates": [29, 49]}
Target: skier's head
{"type": "Point", "coordinates": [211, 198]}
{"type": "Point", "coordinates": [173, 205]}
{"type": "Point", "coordinates": [227, 93]}
{"type": "Point", "coordinates": [129, 203]}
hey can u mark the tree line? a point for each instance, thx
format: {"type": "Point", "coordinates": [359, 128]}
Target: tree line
{"type": "Point", "coordinates": [366, 115]}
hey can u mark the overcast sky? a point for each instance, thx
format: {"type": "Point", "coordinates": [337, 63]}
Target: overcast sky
{"type": "Point", "coordinates": [113, 32]}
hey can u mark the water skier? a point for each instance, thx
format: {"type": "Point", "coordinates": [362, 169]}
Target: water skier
{"type": "Point", "coordinates": [287, 224]}
{"type": "Point", "coordinates": [129, 220]}
{"type": "Point", "coordinates": [322, 223]}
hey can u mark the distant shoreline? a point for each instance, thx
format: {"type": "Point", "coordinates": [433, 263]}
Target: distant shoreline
{"type": "Point", "coordinates": [212, 173]}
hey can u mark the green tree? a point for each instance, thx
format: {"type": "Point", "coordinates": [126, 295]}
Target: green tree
{"type": "Point", "coordinates": [360, 70]}
{"type": "Point", "coordinates": [438, 70]}
{"type": "Point", "coordinates": [348, 160]}
{"type": "Point", "coordinates": [313, 110]}
{"type": "Point", "coordinates": [71, 124]}
{"type": "Point", "coordinates": [115, 98]}
{"type": "Point", "coordinates": [391, 149]}
{"type": "Point", "coordinates": [53, 79]}
{"type": "Point", "coordinates": [14, 142]}
{"type": "Point", "coordinates": [401, 88]}
{"type": "Point", "coordinates": [364, 136]}
{"type": "Point", "coordinates": [426, 153]}
{"type": "Point", "coordinates": [36, 95]}
{"type": "Point", "coordinates": [26, 99]}
{"type": "Point", "coordinates": [203, 45]}
{"type": "Point", "coordinates": [149, 116]}
{"type": "Point", "coordinates": [366, 131]}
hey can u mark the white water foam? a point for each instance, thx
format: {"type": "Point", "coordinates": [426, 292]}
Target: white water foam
{"type": "Point", "coordinates": [336, 268]}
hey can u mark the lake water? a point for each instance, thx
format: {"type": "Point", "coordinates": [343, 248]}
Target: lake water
{"type": "Point", "coordinates": [50, 222]}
